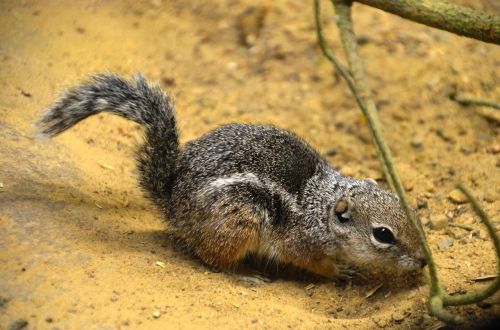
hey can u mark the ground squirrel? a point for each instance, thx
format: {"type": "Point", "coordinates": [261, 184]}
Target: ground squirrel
{"type": "Point", "coordinates": [249, 189]}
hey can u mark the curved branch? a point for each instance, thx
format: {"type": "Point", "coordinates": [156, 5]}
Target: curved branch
{"type": "Point", "coordinates": [344, 22]}
{"type": "Point", "coordinates": [477, 296]}
{"type": "Point", "coordinates": [357, 83]}
{"type": "Point", "coordinates": [436, 308]}
{"type": "Point", "coordinates": [453, 18]}
{"type": "Point", "coordinates": [348, 78]}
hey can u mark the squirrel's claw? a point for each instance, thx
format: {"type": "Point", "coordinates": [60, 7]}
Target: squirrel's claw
{"type": "Point", "coordinates": [254, 279]}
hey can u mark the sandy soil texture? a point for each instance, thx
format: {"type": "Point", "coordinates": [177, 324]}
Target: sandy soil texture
{"type": "Point", "coordinates": [81, 248]}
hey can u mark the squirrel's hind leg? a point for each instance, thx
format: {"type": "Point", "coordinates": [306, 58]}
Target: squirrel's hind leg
{"type": "Point", "coordinates": [230, 219]}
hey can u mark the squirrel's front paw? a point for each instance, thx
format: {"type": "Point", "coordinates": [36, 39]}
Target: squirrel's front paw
{"type": "Point", "coordinates": [255, 279]}
{"type": "Point", "coordinates": [344, 272]}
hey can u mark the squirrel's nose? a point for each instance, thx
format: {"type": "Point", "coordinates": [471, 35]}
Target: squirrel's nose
{"type": "Point", "coordinates": [423, 262]}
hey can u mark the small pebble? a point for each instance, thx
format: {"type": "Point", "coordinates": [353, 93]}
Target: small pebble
{"type": "Point", "coordinates": [445, 243]}
{"type": "Point", "coordinates": [422, 204]}
{"type": "Point", "coordinates": [412, 294]}
{"type": "Point", "coordinates": [156, 314]}
{"type": "Point", "coordinates": [331, 152]}
{"type": "Point", "coordinates": [444, 136]}
{"type": "Point", "coordinates": [457, 197]}
{"type": "Point", "coordinates": [489, 197]}
{"type": "Point", "coordinates": [382, 323]}
{"type": "Point", "coordinates": [397, 316]}
{"type": "Point", "coordinates": [493, 149]}
{"type": "Point", "coordinates": [484, 305]}
{"type": "Point", "coordinates": [438, 222]}
{"type": "Point", "coordinates": [467, 149]}
{"type": "Point", "coordinates": [416, 142]}
{"type": "Point", "coordinates": [18, 325]}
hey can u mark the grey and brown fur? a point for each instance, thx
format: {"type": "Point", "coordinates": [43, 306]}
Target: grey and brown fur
{"type": "Point", "coordinates": [249, 189]}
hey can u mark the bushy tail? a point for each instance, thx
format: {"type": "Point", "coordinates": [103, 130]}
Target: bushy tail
{"type": "Point", "coordinates": [135, 100]}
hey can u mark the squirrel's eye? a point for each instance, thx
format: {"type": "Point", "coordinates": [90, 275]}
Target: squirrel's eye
{"type": "Point", "coordinates": [384, 235]}
{"type": "Point", "coordinates": [343, 217]}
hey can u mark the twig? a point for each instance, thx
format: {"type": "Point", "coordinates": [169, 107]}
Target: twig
{"type": "Point", "coordinates": [344, 23]}
{"type": "Point", "coordinates": [437, 309]}
{"type": "Point", "coordinates": [356, 80]}
{"type": "Point", "coordinates": [459, 225]}
{"type": "Point", "coordinates": [465, 101]}
{"type": "Point", "coordinates": [477, 296]}
{"type": "Point", "coordinates": [453, 18]}
{"type": "Point", "coordinates": [350, 82]}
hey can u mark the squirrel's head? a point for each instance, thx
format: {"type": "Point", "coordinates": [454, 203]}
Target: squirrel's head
{"type": "Point", "coordinates": [373, 231]}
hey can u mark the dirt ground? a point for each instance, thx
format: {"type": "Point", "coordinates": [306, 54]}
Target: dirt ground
{"type": "Point", "coordinates": [81, 248]}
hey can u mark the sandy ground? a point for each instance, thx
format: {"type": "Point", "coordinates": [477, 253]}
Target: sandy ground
{"type": "Point", "coordinates": [79, 244]}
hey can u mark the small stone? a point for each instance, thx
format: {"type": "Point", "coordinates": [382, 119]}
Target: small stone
{"type": "Point", "coordinates": [18, 325]}
{"type": "Point", "coordinates": [489, 197]}
{"type": "Point", "coordinates": [417, 142]}
{"type": "Point", "coordinates": [438, 222]}
{"type": "Point", "coordinates": [412, 294]}
{"type": "Point", "coordinates": [456, 196]}
{"type": "Point", "coordinates": [484, 305]}
{"type": "Point", "coordinates": [3, 301]}
{"type": "Point", "coordinates": [444, 136]}
{"type": "Point", "coordinates": [380, 322]}
{"type": "Point", "coordinates": [156, 314]}
{"type": "Point", "coordinates": [422, 204]}
{"type": "Point", "coordinates": [331, 152]}
{"type": "Point", "coordinates": [408, 185]}
{"type": "Point", "coordinates": [424, 221]}
{"type": "Point", "coordinates": [467, 149]}
{"type": "Point", "coordinates": [232, 65]}
{"type": "Point", "coordinates": [362, 39]}
{"type": "Point", "coordinates": [493, 149]}
{"type": "Point", "coordinates": [398, 316]}
{"type": "Point", "coordinates": [445, 243]}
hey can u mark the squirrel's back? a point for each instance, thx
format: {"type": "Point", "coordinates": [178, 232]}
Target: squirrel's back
{"type": "Point", "coordinates": [265, 151]}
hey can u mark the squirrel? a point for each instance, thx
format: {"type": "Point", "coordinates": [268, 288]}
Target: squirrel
{"type": "Point", "coordinates": [245, 189]}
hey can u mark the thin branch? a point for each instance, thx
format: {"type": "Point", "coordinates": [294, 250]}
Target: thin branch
{"type": "Point", "coordinates": [357, 83]}
{"type": "Point", "coordinates": [459, 225]}
{"type": "Point", "coordinates": [344, 23]}
{"type": "Point", "coordinates": [328, 53]}
{"type": "Point", "coordinates": [453, 18]}
{"type": "Point", "coordinates": [436, 308]}
{"type": "Point", "coordinates": [348, 78]}
{"type": "Point", "coordinates": [477, 296]}
{"type": "Point", "coordinates": [465, 101]}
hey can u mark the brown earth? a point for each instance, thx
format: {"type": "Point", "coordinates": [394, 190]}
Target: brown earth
{"type": "Point", "coordinates": [80, 244]}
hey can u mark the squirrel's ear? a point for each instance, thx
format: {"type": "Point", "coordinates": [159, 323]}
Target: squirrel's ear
{"type": "Point", "coordinates": [341, 209]}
